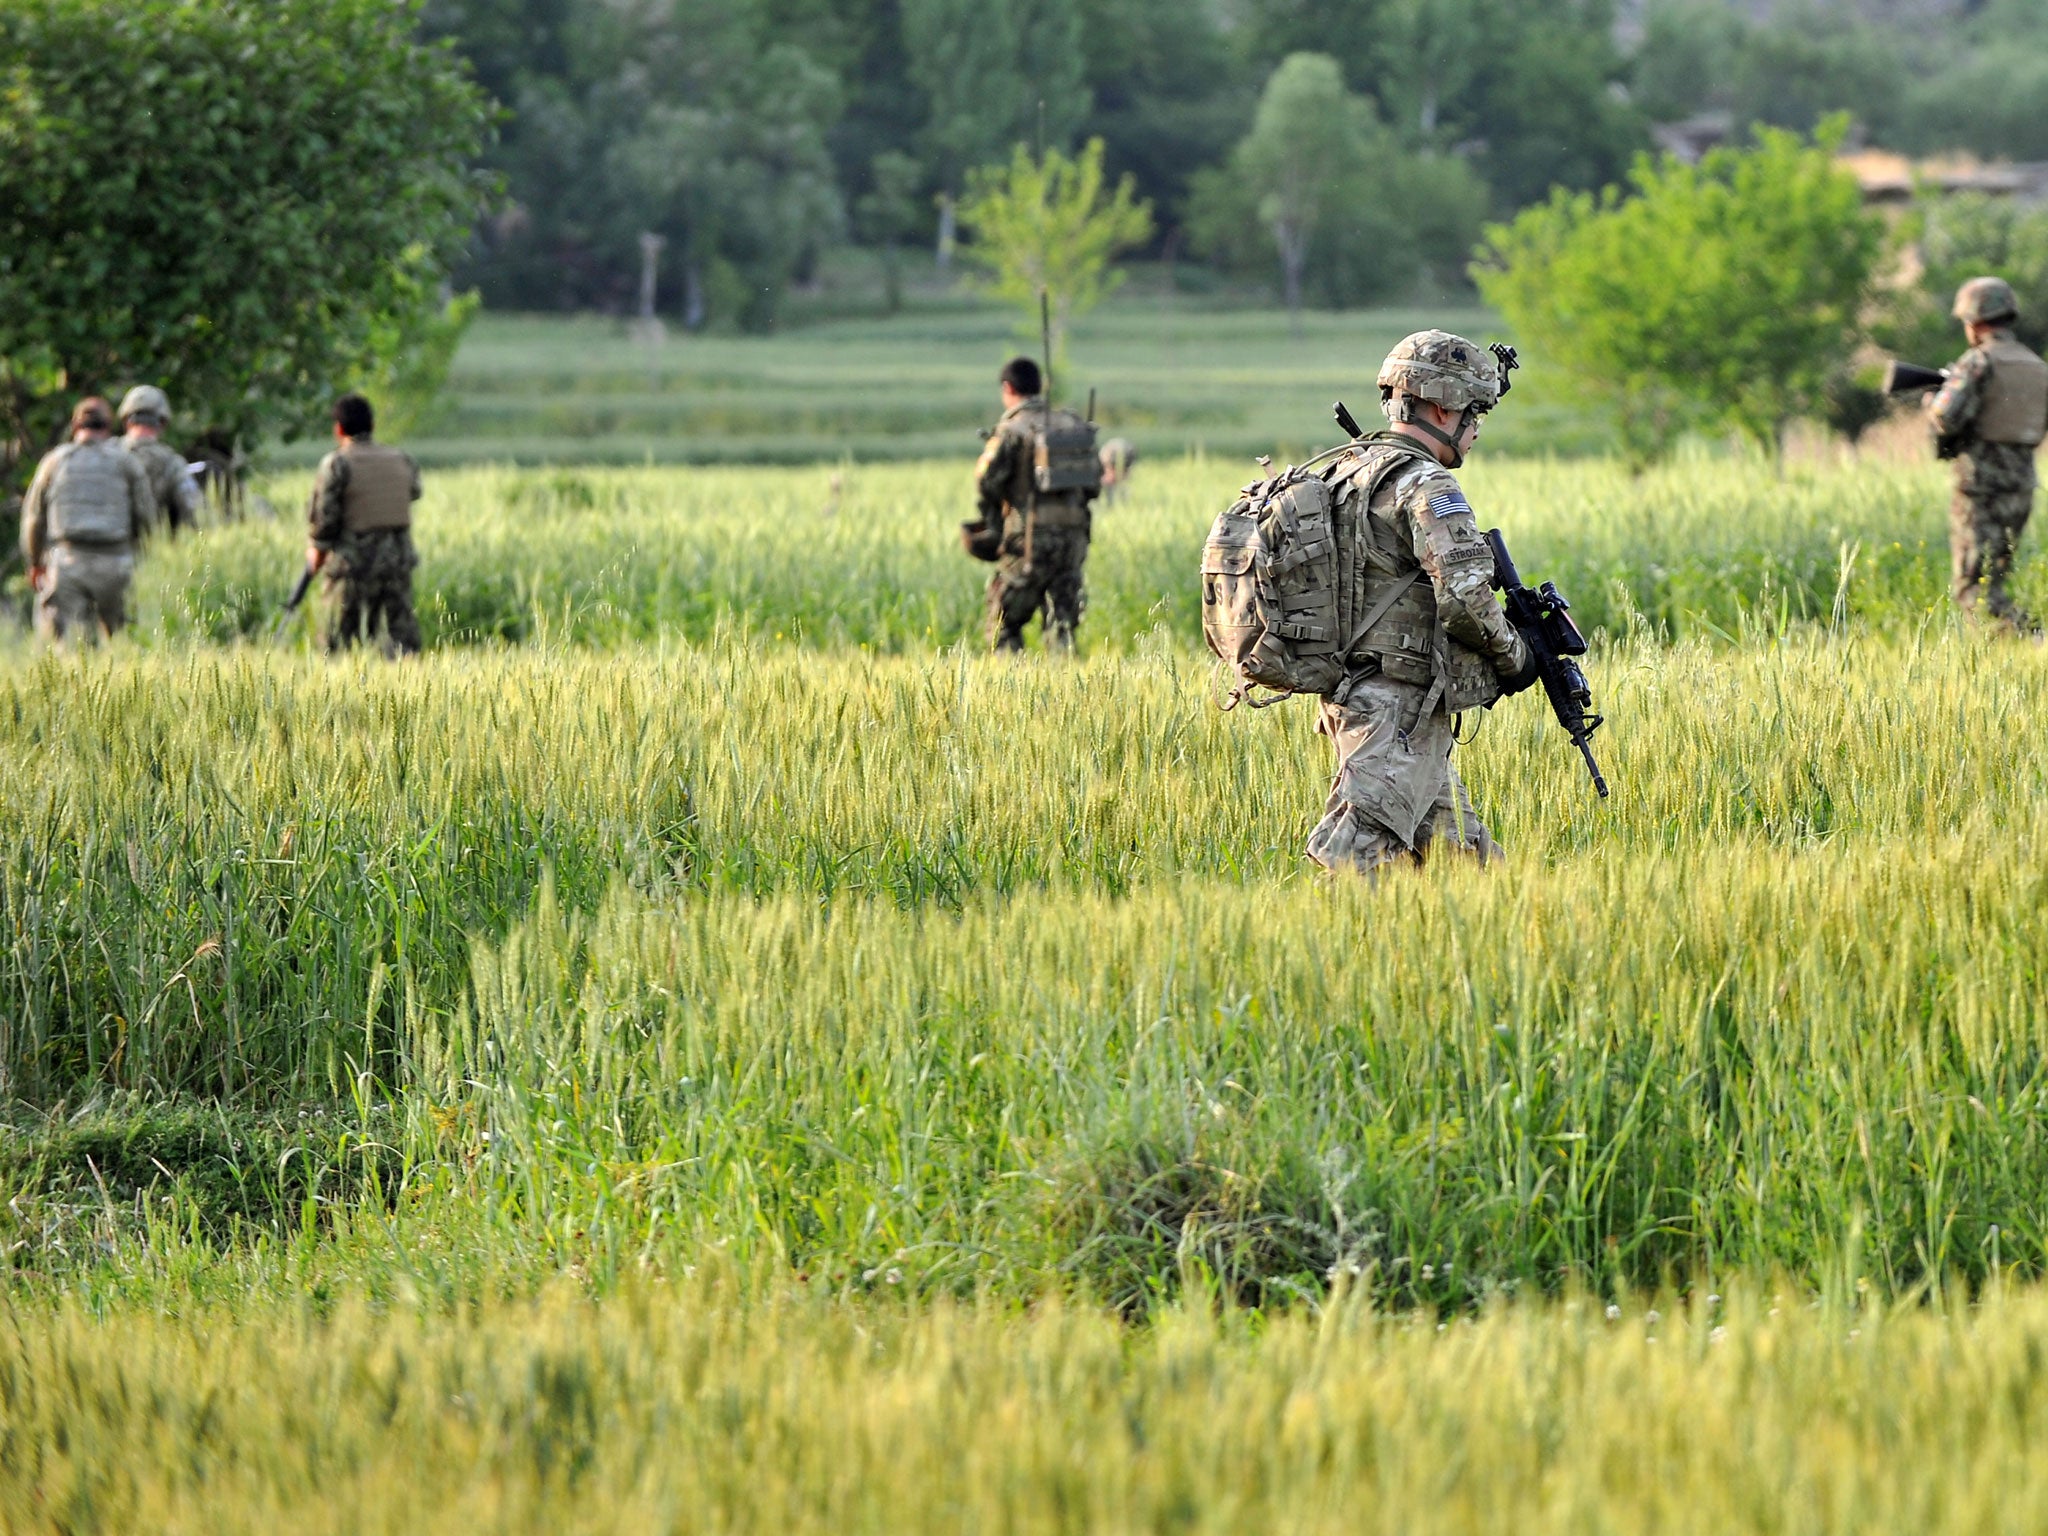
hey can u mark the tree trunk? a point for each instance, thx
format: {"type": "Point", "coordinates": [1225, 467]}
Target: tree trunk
{"type": "Point", "coordinates": [948, 230]}
{"type": "Point", "coordinates": [1293, 257]}
{"type": "Point", "coordinates": [693, 296]}
{"type": "Point", "coordinates": [892, 278]}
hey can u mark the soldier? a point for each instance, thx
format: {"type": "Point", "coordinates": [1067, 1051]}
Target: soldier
{"type": "Point", "coordinates": [87, 506]}
{"type": "Point", "coordinates": [1118, 459]}
{"type": "Point", "coordinates": [1989, 416]}
{"type": "Point", "coordinates": [360, 521]}
{"type": "Point", "coordinates": [1044, 533]}
{"type": "Point", "coordinates": [1437, 641]}
{"type": "Point", "coordinates": [145, 412]}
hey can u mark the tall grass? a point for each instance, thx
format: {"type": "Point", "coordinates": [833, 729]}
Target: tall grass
{"type": "Point", "coordinates": [869, 555]}
{"type": "Point", "coordinates": [673, 1408]}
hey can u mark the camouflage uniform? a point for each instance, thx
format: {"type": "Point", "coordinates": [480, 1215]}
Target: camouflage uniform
{"type": "Point", "coordinates": [86, 507]}
{"type": "Point", "coordinates": [1413, 560]}
{"type": "Point", "coordinates": [1118, 458]}
{"type": "Point", "coordinates": [172, 489]}
{"type": "Point", "coordinates": [1994, 493]}
{"type": "Point", "coordinates": [361, 514]}
{"type": "Point", "coordinates": [1045, 537]}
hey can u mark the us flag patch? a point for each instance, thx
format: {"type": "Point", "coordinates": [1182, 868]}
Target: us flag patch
{"type": "Point", "coordinates": [1449, 502]}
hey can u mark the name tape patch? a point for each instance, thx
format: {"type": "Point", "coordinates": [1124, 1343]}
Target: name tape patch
{"type": "Point", "coordinates": [1449, 502]}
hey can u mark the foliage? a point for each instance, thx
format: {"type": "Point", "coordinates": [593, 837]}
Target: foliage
{"type": "Point", "coordinates": [1046, 226]}
{"type": "Point", "coordinates": [1725, 294]}
{"type": "Point", "coordinates": [1351, 215]}
{"type": "Point", "coordinates": [252, 238]}
{"type": "Point", "coordinates": [989, 68]}
{"type": "Point", "coordinates": [714, 1402]}
{"type": "Point", "coordinates": [1523, 88]}
{"type": "Point", "coordinates": [687, 118]}
{"type": "Point", "coordinates": [408, 384]}
{"type": "Point", "coordinates": [888, 213]}
{"type": "Point", "coordinates": [1956, 239]}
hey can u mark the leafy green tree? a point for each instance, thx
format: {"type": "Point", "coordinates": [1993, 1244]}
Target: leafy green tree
{"type": "Point", "coordinates": [251, 205]}
{"type": "Point", "coordinates": [984, 67]}
{"type": "Point", "coordinates": [1324, 186]}
{"type": "Point", "coordinates": [1956, 239]}
{"type": "Point", "coordinates": [687, 118]}
{"type": "Point", "coordinates": [1050, 225]}
{"type": "Point", "coordinates": [1726, 294]}
{"type": "Point", "coordinates": [888, 213]}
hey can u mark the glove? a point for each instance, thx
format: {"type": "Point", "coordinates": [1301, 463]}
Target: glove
{"type": "Point", "coordinates": [1526, 678]}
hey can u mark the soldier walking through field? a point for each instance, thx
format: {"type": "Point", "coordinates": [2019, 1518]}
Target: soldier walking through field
{"type": "Point", "coordinates": [1990, 416]}
{"type": "Point", "coordinates": [1035, 481]}
{"type": "Point", "coordinates": [86, 509]}
{"type": "Point", "coordinates": [1437, 642]}
{"type": "Point", "coordinates": [145, 413]}
{"type": "Point", "coordinates": [360, 521]}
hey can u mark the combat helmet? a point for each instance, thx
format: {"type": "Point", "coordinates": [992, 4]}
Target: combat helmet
{"type": "Point", "coordinates": [1435, 365]}
{"type": "Point", "coordinates": [147, 404]}
{"type": "Point", "coordinates": [1986, 300]}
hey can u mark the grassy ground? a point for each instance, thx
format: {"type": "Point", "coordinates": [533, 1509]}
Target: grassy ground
{"type": "Point", "coordinates": [705, 1048]}
{"type": "Point", "coordinates": [1173, 373]}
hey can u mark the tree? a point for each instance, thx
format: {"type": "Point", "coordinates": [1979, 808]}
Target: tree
{"type": "Point", "coordinates": [995, 74]}
{"type": "Point", "coordinates": [888, 213]}
{"type": "Point", "coordinates": [1956, 239]}
{"type": "Point", "coordinates": [1726, 294]}
{"type": "Point", "coordinates": [685, 118]}
{"type": "Point", "coordinates": [1046, 225]}
{"type": "Point", "coordinates": [251, 236]}
{"type": "Point", "coordinates": [1323, 185]}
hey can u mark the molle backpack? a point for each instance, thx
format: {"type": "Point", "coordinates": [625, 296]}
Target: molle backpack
{"type": "Point", "coordinates": [1269, 587]}
{"type": "Point", "coordinates": [1063, 454]}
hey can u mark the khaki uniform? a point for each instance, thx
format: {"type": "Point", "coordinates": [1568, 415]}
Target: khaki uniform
{"type": "Point", "coordinates": [171, 487]}
{"type": "Point", "coordinates": [1045, 536]}
{"type": "Point", "coordinates": [87, 506]}
{"type": "Point", "coordinates": [1992, 411]}
{"type": "Point", "coordinates": [1410, 550]}
{"type": "Point", "coordinates": [361, 514]}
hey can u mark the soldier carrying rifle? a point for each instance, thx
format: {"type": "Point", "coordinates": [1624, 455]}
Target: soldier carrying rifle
{"type": "Point", "coordinates": [1989, 416]}
{"type": "Point", "coordinates": [1367, 581]}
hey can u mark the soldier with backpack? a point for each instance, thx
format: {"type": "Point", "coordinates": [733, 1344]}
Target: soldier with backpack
{"type": "Point", "coordinates": [1367, 581]}
{"type": "Point", "coordinates": [1037, 476]}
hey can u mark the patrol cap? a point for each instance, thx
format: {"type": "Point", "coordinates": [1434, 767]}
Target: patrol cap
{"type": "Point", "coordinates": [148, 404]}
{"type": "Point", "coordinates": [1984, 299]}
{"type": "Point", "coordinates": [1436, 365]}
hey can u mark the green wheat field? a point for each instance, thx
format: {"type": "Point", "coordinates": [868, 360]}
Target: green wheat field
{"type": "Point", "coordinates": [707, 1049]}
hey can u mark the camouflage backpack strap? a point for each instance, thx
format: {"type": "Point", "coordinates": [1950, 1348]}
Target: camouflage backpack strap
{"type": "Point", "coordinates": [1366, 477]}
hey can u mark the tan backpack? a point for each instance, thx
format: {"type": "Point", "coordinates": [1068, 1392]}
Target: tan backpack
{"type": "Point", "coordinates": [1270, 607]}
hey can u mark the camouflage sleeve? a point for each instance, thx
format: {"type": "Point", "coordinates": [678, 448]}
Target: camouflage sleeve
{"type": "Point", "coordinates": [1954, 407]}
{"type": "Point", "coordinates": [992, 476]}
{"type": "Point", "coordinates": [141, 498]}
{"type": "Point", "coordinates": [324, 511]}
{"type": "Point", "coordinates": [1459, 564]}
{"type": "Point", "coordinates": [35, 519]}
{"type": "Point", "coordinates": [413, 464]}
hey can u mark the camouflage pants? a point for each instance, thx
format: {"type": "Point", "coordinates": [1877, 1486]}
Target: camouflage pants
{"type": "Point", "coordinates": [1396, 796]}
{"type": "Point", "coordinates": [368, 592]}
{"type": "Point", "coordinates": [1038, 569]}
{"type": "Point", "coordinates": [84, 592]}
{"type": "Point", "coordinates": [1983, 535]}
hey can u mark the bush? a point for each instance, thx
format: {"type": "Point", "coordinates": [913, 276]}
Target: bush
{"type": "Point", "coordinates": [1722, 295]}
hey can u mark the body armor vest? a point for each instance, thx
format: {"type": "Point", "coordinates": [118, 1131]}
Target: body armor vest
{"type": "Point", "coordinates": [88, 497]}
{"type": "Point", "coordinates": [1057, 468]}
{"type": "Point", "coordinates": [2014, 408]}
{"type": "Point", "coordinates": [379, 490]}
{"type": "Point", "coordinates": [1376, 557]}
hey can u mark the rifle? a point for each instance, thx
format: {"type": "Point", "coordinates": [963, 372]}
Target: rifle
{"type": "Point", "coordinates": [1911, 379]}
{"type": "Point", "coordinates": [291, 604]}
{"type": "Point", "coordinates": [1544, 620]}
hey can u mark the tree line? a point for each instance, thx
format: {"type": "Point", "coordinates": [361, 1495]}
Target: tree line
{"type": "Point", "coordinates": [754, 135]}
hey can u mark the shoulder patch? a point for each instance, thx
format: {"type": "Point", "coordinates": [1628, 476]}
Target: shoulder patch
{"type": "Point", "coordinates": [1448, 501]}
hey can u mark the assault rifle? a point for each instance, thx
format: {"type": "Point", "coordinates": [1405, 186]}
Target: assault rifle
{"type": "Point", "coordinates": [1544, 620]}
{"type": "Point", "coordinates": [291, 604]}
{"type": "Point", "coordinates": [1911, 379]}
